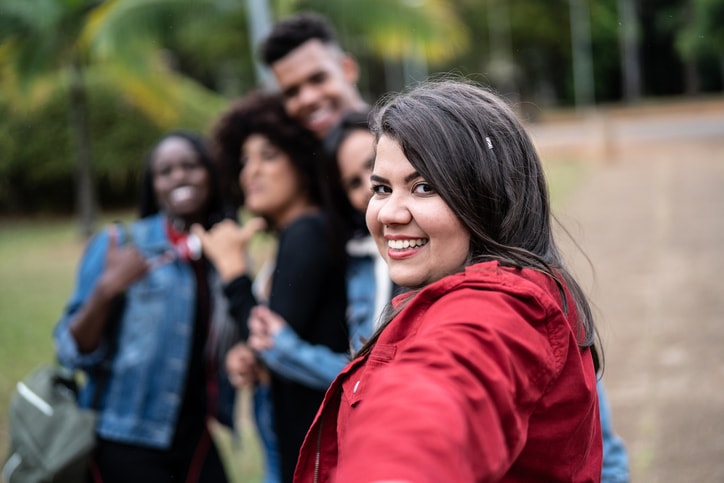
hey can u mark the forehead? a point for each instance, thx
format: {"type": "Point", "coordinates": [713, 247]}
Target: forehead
{"type": "Point", "coordinates": [308, 59]}
{"type": "Point", "coordinates": [358, 145]}
{"type": "Point", "coordinates": [174, 147]}
{"type": "Point", "coordinates": [390, 160]}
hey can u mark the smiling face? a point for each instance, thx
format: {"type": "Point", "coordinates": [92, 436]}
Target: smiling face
{"type": "Point", "coordinates": [354, 158]}
{"type": "Point", "coordinates": [180, 180]}
{"type": "Point", "coordinates": [416, 232]}
{"type": "Point", "coordinates": [270, 182]}
{"type": "Point", "coordinates": [319, 85]}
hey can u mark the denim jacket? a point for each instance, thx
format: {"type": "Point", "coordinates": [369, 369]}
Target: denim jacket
{"type": "Point", "coordinates": [143, 396]}
{"type": "Point", "coordinates": [368, 289]}
{"type": "Point", "coordinates": [615, 456]}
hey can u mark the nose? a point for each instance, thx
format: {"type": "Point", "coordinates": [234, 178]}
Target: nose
{"type": "Point", "coordinates": [394, 211]}
{"type": "Point", "coordinates": [178, 174]}
{"type": "Point", "coordinates": [308, 95]}
{"type": "Point", "coordinates": [248, 170]}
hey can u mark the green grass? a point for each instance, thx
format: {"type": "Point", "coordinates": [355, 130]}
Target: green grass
{"type": "Point", "coordinates": [38, 259]}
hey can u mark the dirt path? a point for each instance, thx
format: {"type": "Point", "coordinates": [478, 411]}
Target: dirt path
{"type": "Point", "coordinates": [650, 215]}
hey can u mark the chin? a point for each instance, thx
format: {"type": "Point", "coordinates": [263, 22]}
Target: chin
{"type": "Point", "coordinates": [412, 283]}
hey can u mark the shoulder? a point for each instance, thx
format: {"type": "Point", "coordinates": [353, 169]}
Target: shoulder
{"type": "Point", "coordinates": [148, 231]}
{"type": "Point", "coordinates": [491, 280]}
{"type": "Point", "coordinates": [307, 227]}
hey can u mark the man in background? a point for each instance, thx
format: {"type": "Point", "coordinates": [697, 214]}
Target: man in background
{"type": "Point", "coordinates": [317, 78]}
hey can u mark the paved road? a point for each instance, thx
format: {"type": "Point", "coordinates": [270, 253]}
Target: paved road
{"type": "Point", "coordinates": [650, 216]}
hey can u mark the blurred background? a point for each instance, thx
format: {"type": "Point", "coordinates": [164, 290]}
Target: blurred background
{"type": "Point", "coordinates": [86, 85]}
{"type": "Point", "coordinates": [622, 97]}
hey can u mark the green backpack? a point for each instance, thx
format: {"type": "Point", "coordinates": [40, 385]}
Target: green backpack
{"type": "Point", "coordinates": [51, 437]}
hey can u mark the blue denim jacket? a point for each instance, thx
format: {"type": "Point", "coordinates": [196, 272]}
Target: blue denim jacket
{"type": "Point", "coordinates": [143, 395]}
{"type": "Point", "coordinates": [317, 366]}
{"type": "Point", "coordinates": [615, 457]}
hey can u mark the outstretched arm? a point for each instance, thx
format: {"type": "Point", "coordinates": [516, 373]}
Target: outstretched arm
{"type": "Point", "coordinates": [283, 351]}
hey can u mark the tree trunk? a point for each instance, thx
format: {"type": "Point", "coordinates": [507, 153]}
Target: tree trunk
{"type": "Point", "coordinates": [583, 79]}
{"type": "Point", "coordinates": [85, 198]}
{"type": "Point", "coordinates": [629, 46]}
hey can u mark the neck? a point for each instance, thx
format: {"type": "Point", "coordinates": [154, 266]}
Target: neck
{"type": "Point", "coordinates": [294, 212]}
{"type": "Point", "coordinates": [183, 224]}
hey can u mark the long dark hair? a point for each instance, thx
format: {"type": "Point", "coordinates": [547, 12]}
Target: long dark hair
{"type": "Point", "coordinates": [351, 221]}
{"type": "Point", "coordinates": [471, 147]}
{"type": "Point", "coordinates": [218, 207]}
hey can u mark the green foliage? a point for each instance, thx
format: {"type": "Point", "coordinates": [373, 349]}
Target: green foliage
{"type": "Point", "coordinates": [37, 155]}
{"type": "Point", "coordinates": [395, 29]}
{"type": "Point", "coordinates": [703, 35]}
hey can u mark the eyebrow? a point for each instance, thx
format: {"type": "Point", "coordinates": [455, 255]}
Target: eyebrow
{"type": "Point", "coordinates": [408, 178]}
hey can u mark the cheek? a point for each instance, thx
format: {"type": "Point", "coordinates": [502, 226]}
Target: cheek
{"type": "Point", "coordinates": [159, 190]}
{"type": "Point", "coordinates": [458, 244]}
{"type": "Point", "coordinates": [373, 225]}
{"type": "Point", "coordinates": [292, 106]}
{"type": "Point", "coordinates": [205, 184]}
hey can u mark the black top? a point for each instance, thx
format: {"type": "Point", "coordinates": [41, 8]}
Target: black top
{"type": "Point", "coordinates": [308, 290]}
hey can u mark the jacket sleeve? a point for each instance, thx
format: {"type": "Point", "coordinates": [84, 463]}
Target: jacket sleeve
{"type": "Point", "coordinates": [462, 388]}
{"type": "Point", "coordinates": [89, 271]}
{"type": "Point", "coordinates": [241, 299]}
{"type": "Point", "coordinates": [315, 366]}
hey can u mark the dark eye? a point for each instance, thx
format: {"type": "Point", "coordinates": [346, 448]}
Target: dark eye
{"type": "Point", "coordinates": [380, 189]}
{"type": "Point", "coordinates": [354, 183]}
{"type": "Point", "coordinates": [291, 92]}
{"type": "Point", "coordinates": [164, 170]}
{"type": "Point", "coordinates": [318, 78]}
{"type": "Point", "coordinates": [192, 164]}
{"type": "Point", "coordinates": [423, 189]}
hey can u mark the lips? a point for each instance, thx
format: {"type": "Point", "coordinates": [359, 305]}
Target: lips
{"type": "Point", "coordinates": [403, 248]}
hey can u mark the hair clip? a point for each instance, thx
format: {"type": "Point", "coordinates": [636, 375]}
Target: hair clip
{"type": "Point", "coordinates": [489, 142]}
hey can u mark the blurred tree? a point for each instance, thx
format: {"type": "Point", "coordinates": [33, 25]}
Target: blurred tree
{"type": "Point", "coordinates": [629, 46]}
{"type": "Point", "coordinates": [51, 44]}
{"type": "Point", "coordinates": [701, 37]}
{"type": "Point", "coordinates": [409, 35]}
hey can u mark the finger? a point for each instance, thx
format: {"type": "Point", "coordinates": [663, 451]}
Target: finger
{"type": "Point", "coordinates": [113, 235]}
{"type": "Point", "coordinates": [252, 227]}
{"type": "Point", "coordinates": [255, 325]}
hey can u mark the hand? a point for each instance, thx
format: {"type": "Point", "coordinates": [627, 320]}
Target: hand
{"type": "Point", "coordinates": [226, 244]}
{"type": "Point", "coordinates": [241, 365]}
{"type": "Point", "coordinates": [124, 265]}
{"type": "Point", "coordinates": [264, 325]}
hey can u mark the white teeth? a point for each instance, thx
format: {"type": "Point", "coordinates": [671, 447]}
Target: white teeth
{"type": "Point", "coordinates": [402, 244]}
{"type": "Point", "coordinates": [181, 194]}
{"type": "Point", "coordinates": [318, 114]}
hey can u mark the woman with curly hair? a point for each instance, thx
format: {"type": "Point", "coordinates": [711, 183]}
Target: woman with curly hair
{"type": "Point", "coordinates": [274, 158]}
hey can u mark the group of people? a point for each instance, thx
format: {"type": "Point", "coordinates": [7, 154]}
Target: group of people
{"type": "Point", "coordinates": [416, 322]}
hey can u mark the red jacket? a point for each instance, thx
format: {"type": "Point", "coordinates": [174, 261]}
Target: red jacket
{"type": "Point", "coordinates": [479, 378]}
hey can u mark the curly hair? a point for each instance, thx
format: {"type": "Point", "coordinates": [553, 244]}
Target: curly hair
{"type": "Point", "coordinates": [292, 32]}
{"type": "Point", "coordinates": [263, 113]}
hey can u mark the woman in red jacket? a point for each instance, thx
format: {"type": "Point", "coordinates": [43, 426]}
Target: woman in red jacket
{"type": "Point", "coordinates": [485, 369]}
